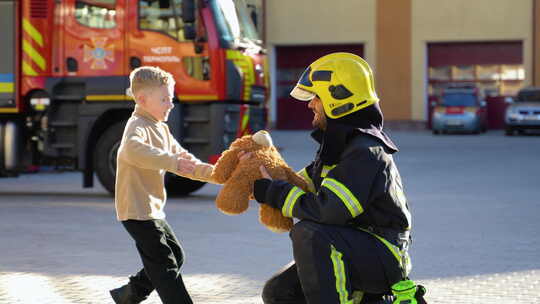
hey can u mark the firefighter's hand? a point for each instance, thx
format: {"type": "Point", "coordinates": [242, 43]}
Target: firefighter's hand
{"type": "Point", "coordinates": [264, 172]}
{"type": "Point", "coordinates": [243, 156]}
{"type": "Point", "coordinates": [260, 187]}
{"type": "Point", "coordinates": [186, 166]}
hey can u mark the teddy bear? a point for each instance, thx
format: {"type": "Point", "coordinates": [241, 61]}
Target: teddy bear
{"type": "Point", "coordinates": [238, 178]}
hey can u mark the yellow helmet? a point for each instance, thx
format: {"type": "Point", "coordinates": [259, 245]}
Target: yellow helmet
{"type": "Point", "coordinates": [343, 81]}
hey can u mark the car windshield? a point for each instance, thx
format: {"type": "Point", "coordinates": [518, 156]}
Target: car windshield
{"type": "Point", "coordinates": [459, 100]}
{"type": "Point", "coordinates": [529, 96]}
{"type": "Point", "coordinates": [234, 21]}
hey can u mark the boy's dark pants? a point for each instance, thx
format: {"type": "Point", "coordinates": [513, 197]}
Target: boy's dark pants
{"type": "Point", "coordinates": [162, 256]}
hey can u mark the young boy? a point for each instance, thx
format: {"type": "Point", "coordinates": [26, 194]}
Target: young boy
{"type": "Point", "coordinates": [146, 152]}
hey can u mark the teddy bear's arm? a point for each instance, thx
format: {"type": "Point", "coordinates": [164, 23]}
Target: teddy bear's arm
{"type": "Point", "coordinates": [225, 166]}
{"type": "Point", "coordinates": [296, 179]}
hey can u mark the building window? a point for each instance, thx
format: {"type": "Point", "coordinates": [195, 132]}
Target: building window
{"type": "Point", "coordinates": [96, 14]}
{"type": "Point", "coordinates": [488, 72]}
{"type": "Point", "coordinates": [512, 72]}
{"type": "Point", "coordinates": [162, 16]}
{"type": "Point", "coordinates": [439, 73]}
{"type": "Point", "coordinates": [463, 72]}
{"type": "Point", "coordinates": [491, 79]}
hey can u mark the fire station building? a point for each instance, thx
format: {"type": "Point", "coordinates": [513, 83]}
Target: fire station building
{"type": "Point", "coordinates": [415, 47]}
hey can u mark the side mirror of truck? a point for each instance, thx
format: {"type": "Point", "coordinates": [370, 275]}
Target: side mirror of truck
{"type": "Point", "coordinates": [188, 11]}
{"type": "Point", "coordinates": [434, 104]}
{"type": "Point", "coordinates": [483, 103]}
{"type": "Point", "coordinates": [509, 100]}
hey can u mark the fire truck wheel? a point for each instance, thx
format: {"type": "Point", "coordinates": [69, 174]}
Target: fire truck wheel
{"type": "Point", "coordinates": [180, 186]}
{"type": "Point", "coordinates": [105, 155]}
{"type": "Point", "coordinates": [11, 146]}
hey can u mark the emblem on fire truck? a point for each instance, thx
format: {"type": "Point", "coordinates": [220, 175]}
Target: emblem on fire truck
{"type": "Point", "coordinates": [99, 53]}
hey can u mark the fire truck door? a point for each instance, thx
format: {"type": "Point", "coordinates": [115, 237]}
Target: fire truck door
{"type": "Point", "coordinates": [155, 37]}
{"type": "Point", "coordinates": [94, 39]}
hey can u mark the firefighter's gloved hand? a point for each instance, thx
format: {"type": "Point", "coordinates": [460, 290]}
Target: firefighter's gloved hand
{"type": "Point", "coordinates": [265, 173]}
{"type": "Point", "coordinates": [260, 188]}
{"type": "Point", "coordinates": [266, 189]}
{"type": "Point", "coordinates": [269, 192]}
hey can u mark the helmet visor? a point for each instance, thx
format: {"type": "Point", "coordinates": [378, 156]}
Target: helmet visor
{"type": "Point", "coordinates": [301, 94]}
{"type": "Point", "coordinates": [304, 79]}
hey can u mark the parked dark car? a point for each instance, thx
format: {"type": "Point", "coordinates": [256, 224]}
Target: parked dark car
{"type": "Point", "coordinates": [523, 113]}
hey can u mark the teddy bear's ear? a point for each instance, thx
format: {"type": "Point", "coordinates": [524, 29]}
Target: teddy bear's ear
{"type": "Point", "coordinates": [263, 138]}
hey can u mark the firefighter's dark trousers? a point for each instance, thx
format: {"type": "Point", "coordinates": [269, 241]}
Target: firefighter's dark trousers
{"type": "Point", "coordinates": [162, 256]}
{"type": "Point", "coordinates": [330, 262]}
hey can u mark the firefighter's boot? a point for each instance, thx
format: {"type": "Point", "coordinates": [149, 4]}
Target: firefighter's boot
{"type": "Point", "coordinates": [126, 295]}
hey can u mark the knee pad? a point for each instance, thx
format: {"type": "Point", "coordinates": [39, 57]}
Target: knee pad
{"type": "Point", "coordinates": [305, 230]}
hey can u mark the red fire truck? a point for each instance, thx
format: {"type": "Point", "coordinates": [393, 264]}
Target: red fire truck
{"type": "Point", "coordinates": [64, 69]}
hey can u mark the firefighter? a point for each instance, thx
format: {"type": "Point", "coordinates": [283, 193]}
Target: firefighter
{"type": "Point", "coordinates": [350, 243]}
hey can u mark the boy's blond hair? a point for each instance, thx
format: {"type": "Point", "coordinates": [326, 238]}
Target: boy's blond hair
{"type": "Point", "coordinates": [146, 77]}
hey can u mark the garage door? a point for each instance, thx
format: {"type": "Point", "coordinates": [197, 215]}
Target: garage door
{"type": "Point", "coordinates": [495, 68]}
{"type": "Point", "coordinates": [291, 62]}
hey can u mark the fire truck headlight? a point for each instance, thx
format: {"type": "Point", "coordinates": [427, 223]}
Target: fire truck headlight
{"type": "Point", "coordinates": [40, 104]}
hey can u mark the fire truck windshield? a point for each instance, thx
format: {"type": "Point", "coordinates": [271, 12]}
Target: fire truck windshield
{"type": "Point", "coordinates": [235, 23]}
{"type": "Point", "coordinates": [161, 16]}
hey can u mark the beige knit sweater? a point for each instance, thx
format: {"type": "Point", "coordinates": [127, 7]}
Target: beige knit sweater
{"type": "Point", "coordinates": [146, 152]}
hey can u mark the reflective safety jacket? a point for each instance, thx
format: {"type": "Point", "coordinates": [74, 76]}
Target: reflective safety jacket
{"type": "Point", "coordinates": [363, 190]}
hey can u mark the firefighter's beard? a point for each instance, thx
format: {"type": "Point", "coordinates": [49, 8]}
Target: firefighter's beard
{"type": "Point", "coordinates": [319, 120]}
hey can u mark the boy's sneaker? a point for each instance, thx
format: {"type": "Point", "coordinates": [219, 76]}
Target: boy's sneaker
{"type": "Point", "coordinates": [125, 295]}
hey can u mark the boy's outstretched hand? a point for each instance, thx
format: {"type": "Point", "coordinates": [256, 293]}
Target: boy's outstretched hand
{"type": "Point", "coordinates": [186, 166]}
{"type": "Point", "coordinates": [186, 155]}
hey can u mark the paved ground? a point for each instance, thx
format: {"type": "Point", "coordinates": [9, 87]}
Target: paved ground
{"type": "Point", "coordinates": [476, 219]}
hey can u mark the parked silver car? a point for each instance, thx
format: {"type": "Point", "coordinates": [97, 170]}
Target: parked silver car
{"type": "Point", "coordinates": [523, 113]}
